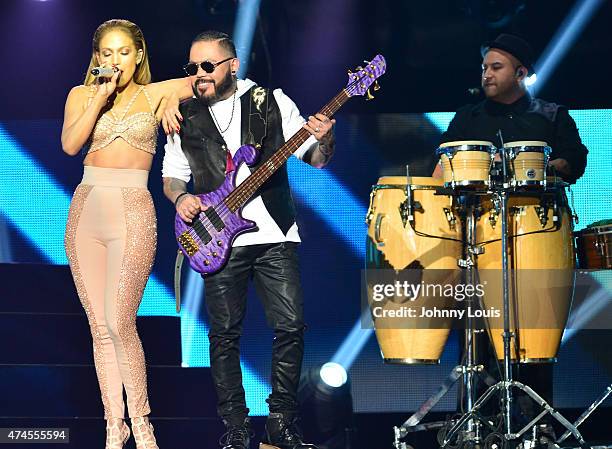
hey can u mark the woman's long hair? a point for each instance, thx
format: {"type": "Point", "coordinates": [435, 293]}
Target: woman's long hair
{"type": "Point", "coordinates": [142, 75]}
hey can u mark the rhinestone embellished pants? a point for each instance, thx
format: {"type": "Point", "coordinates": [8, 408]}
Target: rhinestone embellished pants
{"type": "Point", "coordinates": [110, 241]}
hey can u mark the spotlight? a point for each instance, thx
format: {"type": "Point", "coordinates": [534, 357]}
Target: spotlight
{"type": "Point", "coordinates": [333, 374]}
{"type": "Point", "coordinates": [327, 406]}
{"type": "Point", "coordinates": [531, 80]}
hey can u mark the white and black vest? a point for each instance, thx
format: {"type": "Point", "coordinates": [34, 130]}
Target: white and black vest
{"type": "Point", "coordinates": [206, 150]}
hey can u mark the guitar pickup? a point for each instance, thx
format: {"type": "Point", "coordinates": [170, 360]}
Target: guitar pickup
{"type": "Point", "coordinates": [214, 218]}
{"type": "Point", "coordinates": [188, 243]}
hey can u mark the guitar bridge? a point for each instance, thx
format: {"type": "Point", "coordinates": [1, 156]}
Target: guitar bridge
{"type": "Point", "coordinates": [188, 243]}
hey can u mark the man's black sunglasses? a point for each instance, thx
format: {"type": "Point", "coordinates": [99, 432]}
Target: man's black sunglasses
{"type": "Point", "coordinates": [191, 69]}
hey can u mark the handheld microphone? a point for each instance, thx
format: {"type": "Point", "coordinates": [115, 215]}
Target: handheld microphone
{"type": "Point", "coordinates": [474, 91]}
{"type": "Point", "coordinates": [104, 71]}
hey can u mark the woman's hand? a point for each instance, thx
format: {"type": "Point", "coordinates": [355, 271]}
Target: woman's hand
{"type": "Point", "coordinates": [106, 88]}
{"type": "Point", "coordinates": [172, 116]}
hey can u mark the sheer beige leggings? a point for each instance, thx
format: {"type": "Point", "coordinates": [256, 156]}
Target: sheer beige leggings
{"type": "Point", "coordinates": [110, 241]}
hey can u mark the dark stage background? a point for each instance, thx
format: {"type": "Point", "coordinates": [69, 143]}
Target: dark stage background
{"type": "Point", "coordinates": [432, 51]}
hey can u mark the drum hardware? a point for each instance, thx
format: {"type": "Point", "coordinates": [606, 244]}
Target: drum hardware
{"type": "Point", "coordinates": [493, 217]}
{"type": "Point", "coordinates": [468, 371]}
{"type": "Point", "coordinates": [450, 217]}
{"type": "Point", "coordinates": [406, 207]}
{"type": "Point", "coordinates": [505, 386]}
{"type": "Point", "coordinates": [494, 212]}
{"type": "Point", "coordinates": [379, 219]}
{"type": "Point", "coordinates": [406, 211]}
{"type": "Point", "coordinates": [371, 207]}
{"type": "Point", "coordinates": [469, 262]}
{"type": "Point", "coordinates": [542, 212]}
{"type": "Point", "coordinates": [556, 213]}
{"type": "Point", "coordinates": [470, 427]}
{"type": "Point", "coordinates": [574, 215]}
{"type": "Point", "coordinates": [590, 409]}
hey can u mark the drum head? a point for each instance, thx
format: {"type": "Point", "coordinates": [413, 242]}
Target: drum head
{"type": "Point", "coordinates": [465, 145]}
{"type": "Point", "coordinates": [412, 180]}
{"type": "Point", "coordinates": [535, 146]}
{"type": "Point", "coordinates": [459, 143]}
{"type": "Point", "coordinates": [526, 143]}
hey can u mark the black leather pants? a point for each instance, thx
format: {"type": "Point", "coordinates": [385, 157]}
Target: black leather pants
{"type": "Point", "coordinates": [274, 270]}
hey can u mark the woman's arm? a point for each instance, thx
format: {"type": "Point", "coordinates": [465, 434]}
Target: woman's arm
{"type": "Point", "coordinates": [79, 121]}
{"type": "Point", "coordinates": [175, 90]}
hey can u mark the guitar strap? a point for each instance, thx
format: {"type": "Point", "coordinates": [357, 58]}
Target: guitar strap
{"type": "Point", "coordinates": [178, 264]}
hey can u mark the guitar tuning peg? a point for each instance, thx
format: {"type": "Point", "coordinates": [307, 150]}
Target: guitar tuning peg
{"type": "Point", "coordinates": [359, 68]}
{"type": "Point", "coordinates": [376, 86]}
{"type": "Point", "coordinates": [369, 95]}
{"type": "Point", "coordinates": [349, 72]}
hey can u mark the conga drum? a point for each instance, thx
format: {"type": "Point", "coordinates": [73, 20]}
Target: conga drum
{"type": "Point", "coordinates": [466, 163]}
{"type": "Point", "coordinates": [594, 246]}
{"type": "Point", "coordinates": [394, 243]}
{"type": "Point", "coordinates": [541, 259]}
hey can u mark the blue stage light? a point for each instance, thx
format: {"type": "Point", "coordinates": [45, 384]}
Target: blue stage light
{"type": "Point", "coordinates": [531, 80]}
{"type": "Point", "coordinates": [565, 37]}
{"type": "Point", "coordinates": [244, 28]}
{"type": "Point", "coordinates": [333, 374]}
{"type": "Point", "coordinates": [344, 213]}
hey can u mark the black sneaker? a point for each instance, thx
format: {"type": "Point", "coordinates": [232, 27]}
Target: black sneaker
{"type": "Point", "coordinates": [237, 435]}
{"type": "Point", "coordinates": [282, 432]}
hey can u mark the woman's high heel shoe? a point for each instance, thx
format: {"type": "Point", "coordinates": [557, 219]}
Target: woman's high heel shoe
{"type": "Point", "coordinates": [143, 433]}
{"type": "Point", "coordinates": [117, 433]}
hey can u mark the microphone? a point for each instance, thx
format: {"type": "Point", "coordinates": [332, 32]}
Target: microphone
{"type": "Point", "coordinates": [475, 91]}
{"type": "Point", "coordinates": [104, 71]}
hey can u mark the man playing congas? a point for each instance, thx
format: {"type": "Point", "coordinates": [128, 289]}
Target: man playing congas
{"type": "Point", "coordinates": [507, 62]}
{"type": "Point", "coordinates": [528, 127]}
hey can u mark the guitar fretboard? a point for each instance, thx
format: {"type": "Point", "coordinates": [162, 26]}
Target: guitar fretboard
{"type": "Point", "coordinates": [244, 191]}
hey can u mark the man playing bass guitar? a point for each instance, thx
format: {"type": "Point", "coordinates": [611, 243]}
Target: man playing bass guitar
{"type": "Point", "coordinates": [224, 114]}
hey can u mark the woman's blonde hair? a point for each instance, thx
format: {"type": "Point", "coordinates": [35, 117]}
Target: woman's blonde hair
{"type": "Point", "coordinates": [143, 72]}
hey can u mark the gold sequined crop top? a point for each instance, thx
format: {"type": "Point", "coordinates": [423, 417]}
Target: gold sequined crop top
{"type": "Point", "coordinates": [139, 129]}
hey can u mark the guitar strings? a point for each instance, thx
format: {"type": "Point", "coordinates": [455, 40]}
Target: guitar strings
{"type": "Point", "coordinates": [241, 193]}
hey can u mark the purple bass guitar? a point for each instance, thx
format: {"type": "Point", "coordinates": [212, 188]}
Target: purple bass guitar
{"type": "Point", "coordinates": [207, 240]}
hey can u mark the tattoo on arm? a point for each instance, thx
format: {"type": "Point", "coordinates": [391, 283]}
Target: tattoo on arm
{"type": "Point", "coordinates": [326, 151]}
{"type": "Point", "coordinates": [174, 187]}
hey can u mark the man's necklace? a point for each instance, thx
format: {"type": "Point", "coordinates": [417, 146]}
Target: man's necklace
{"type": "Point", "coordinates": [231, 117]}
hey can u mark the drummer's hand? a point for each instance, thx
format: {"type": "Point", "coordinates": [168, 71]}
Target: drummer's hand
{"type": "Point", "coordinates": [561, 166]}
{"type": "Point", "coordinates": [188, 207]}
{"type": "Point", "coordinates": [172, 116]}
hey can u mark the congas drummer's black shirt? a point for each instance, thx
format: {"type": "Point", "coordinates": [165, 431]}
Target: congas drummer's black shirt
{"type": "Point", "coordinates": [527, 119]}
